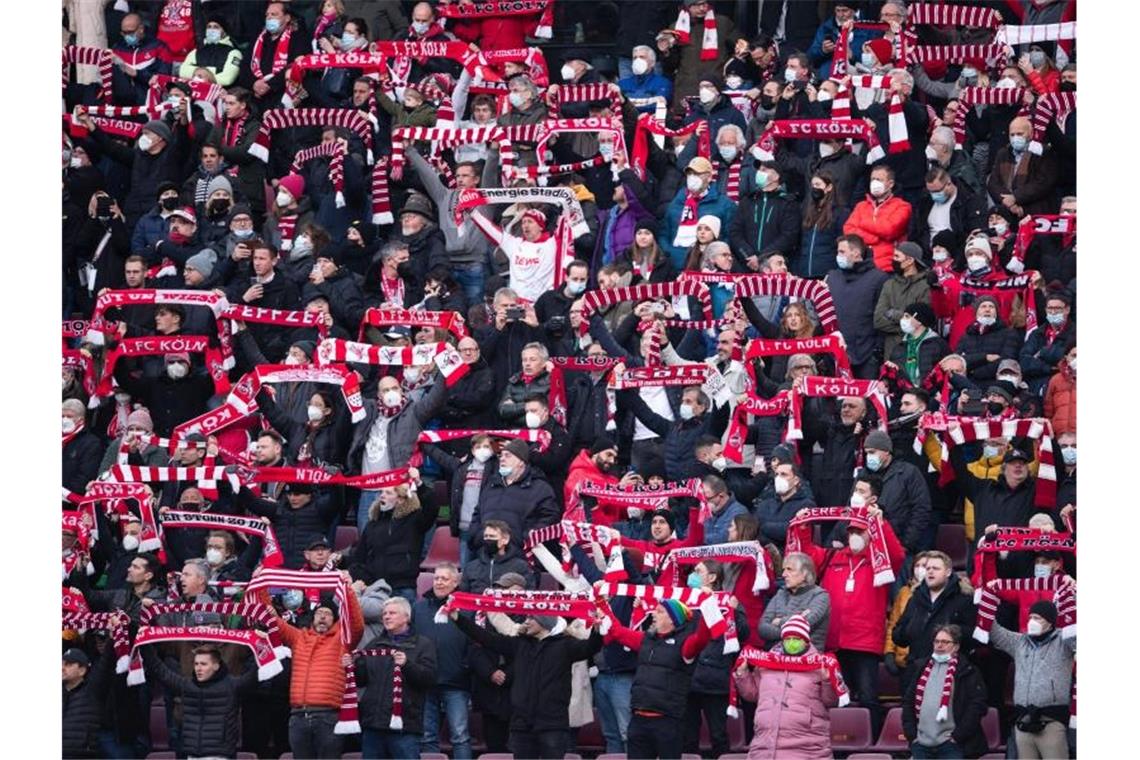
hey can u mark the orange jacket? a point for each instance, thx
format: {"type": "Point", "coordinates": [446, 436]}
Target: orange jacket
{"type": "Point", "coordinates": [318, 676]}
{"type": "Point", "coordinates": [880, 225]}
{"type": "Point", "coordinates": [1061, 403]}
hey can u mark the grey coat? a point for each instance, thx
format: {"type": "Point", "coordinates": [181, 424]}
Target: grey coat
{"type": "Point", "coordinates": [466, 244]}
{"type": "Point", "coordinates": [403, 430]}
{"type": "Point", "coordinates": [812, 601]}
{"type": "Point", "coordinates": [1043, 672]}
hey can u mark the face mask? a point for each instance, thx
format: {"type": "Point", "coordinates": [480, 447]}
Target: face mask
{"type": "Point", "coordinates": [273, 25]}
{"type": "Point", "coordinates": [347, 40]}
{"type": "Point", "coordinates": [942, 658]}
{"type": "Point", "coordinates": [283, 198]}
{"type": "Point", "coordinates": [794, 646]}
{"type": "Point", "coordinates": [727, 152]}
{"type": "Point", "coordinates": [856, 542]}
{"type": "Point", "coordinates": [707, 95]}
{"type": "Point", "coordinates": [532, 420]}
{"type": "Point", "coordinates": [315, 413]}
{"type": "Point", "coordinates": [1069, 454]}
{"type": "Point", "coordinates": [391, 398]}
{"type": "Point", "coordinates": [1034, 627]}
{"type": "Point", "coordinates": [940, 254]}
{"type": "Point", "coordinates": [122, 398]}
{"type": "Point", "coordinates": [719, 464]}
{"type": "Point", "coordinates": [789, 76]}
{"type": "Point", "coordinates": [76, 162]}
{"type": "Point", "coordinates": [504, 470]}
{"type": "Point", "coordinates": [131, 39]}
{"type": "Point", "coordinates": [878, 188]}
{"type": "Point", "coordinates": [1068, 86]}
{"type": "Point", "coordinates": [1042, 571]}
{"type": "Point", "coordinates": [931, 153]}
{"type": "Point", "coordinates": [516, 99]}
{"type": "Point", "coordinates": [767, 102]}
{"type": "Point", "coordinates": [291, 360]}
{"type": "Point", "coordinates": [292, 599]}
{"type": "Point", "coordinates": [995, 408]}
{"type": "Point", "coordinates": [919, 574]}
{"type": "Point", "coordinates": [213, 35]}
{"type": "Point", "coordinates": [130, 542]}
{"type": "Point", "coordinates": [177, 370]}
{"type": "Point", "coordinates": [939, 197]}
{"type": "Point", "coordinates": [842, 262]}
{"type": "Point", "coordinates": [482, 454]}
{"type": "Point", "coordinates": [576, 288]}
{"type": "Point", "coordinates": [686, 412]}
{"type": "Point", "coordinates": [906, 325]}
{"type": "Point", "coordinates": [989, 452]}
{"type": "Point", "coordinates": [761, 178]}
{"type": "Point", "coordinates": [412, 375]}
{"type": "Point", "coordinates": [987, 321]}
{"type": "Point", "coordinates": [1000, 229]}
{"type": "Point", "coordinates": [733, 82]}
{"type": "Point", "coordinates": [857, 500]}
{"type": "Point", "coordinates": [817, 193]}
{"type": "Point", "coordinates": [1073, 364]}
{"type": "Point", "coordinates": [420, 26]}
{"type": "Point", "coordinates": [68, 425]}
{"type": "Point", "coordinates": [976, 263]}
{"type": "Point", "coordinates": [1015, 379]}
{"type": "Point", "coordinates": [874, 462]}
{"type": "Point", "coordinates": [826, 150]}
{"type": "Point", "coordinates": [694, 580]}
{"type": "Point", "coordinates": [214, 557]}
{"type": "Point", "coordinates": [145, 143]}
{"type": "Point", "coordinates": [822, 96]}
{"type": "Point", "coordinates": [242, 234]}
{"type": "Point", "coordinates": [1018, 143]}
{"type": "Point", "coordinates": [567, 73]}
{"type": "Point", "coordinates": [169, 204]}
{"type": "Point", "coordinates": [1005, 83]}
{"type": "Point", "coordinates": [1036, 58]}
{"type": "Point", "coordinates": [639, 66]}
{"type": "Point", "coordinates": [491, 545]}
{"type": "Point", "coordinates": [1056, 320]}
{"type": "Point", "coordinates": [869, 60]}
{"type": "Point", "coordinates": [781, 484]}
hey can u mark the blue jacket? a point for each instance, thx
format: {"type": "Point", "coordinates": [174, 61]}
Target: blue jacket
{"type": "Point", "coordinates": [716, 526]}
{"type": "Point", "coordinates": [817, 247]}
{"type": "Point", "coordinates": [712, 203]}
{"type": "Point", "coordinates": [150, 228]}
{"type": "Point", "coordinates": [720, 113]}
{"type": "Point", "coordinates": [648, 85]}
{"type": "Point", "coordinates": [450, 643]}
{"type": "Point", "coordinates": [828, 30]}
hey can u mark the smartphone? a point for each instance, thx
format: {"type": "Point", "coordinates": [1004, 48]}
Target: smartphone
{"type": "Point", "coordinates": [103, 206]}
{"type": "Point", "coordinates": [515, 312]}
{"type": "Point", "coordinates": [657, 308]}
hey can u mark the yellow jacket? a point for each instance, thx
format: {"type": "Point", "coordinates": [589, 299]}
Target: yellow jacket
{"type": "Point", "coordinates": [896, 612]}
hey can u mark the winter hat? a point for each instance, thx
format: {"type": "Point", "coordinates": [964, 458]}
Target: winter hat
{"type": "Point", "coordinates": [984, 299]}
{"type": "Point", "coordinates": [783, 452]}
{"type": "Point", "coordinates": [203, 262]}
{"type": "Point", "coordinates": [923, 313]}
{"type": "Point", "coordinates": [178, 84]}
{"type": "Point", "coordinates": [677, 611]}
{"type": "Point", "coordinates": [646, 224]}
{"type": "Point", "coordinates": [186, 213]}
{"type": "Point", "coordinates": [715, 81]}
{"type": "Point", "coordinates": [1017, 455]}
{"type": "Point", "coordinates": [506, 580]}
{"type": "Point", "coordinates": [159, 129]}
{"type": "Point", "coordinates": [294, 184]}
{"type": "Point", "coordinates": [164, 187]}
{"type": "Point", "coordinates": [76, 657]}
{"type": "Point", "coordinates": [140, 418]}
{"type": "Point", "coordinates": [177, 356]}
{"type": "Point", "coordinates": [603, 443]}
{"type": "Point", "coordinates": [240, 209]}
{"type": "Point", "coordinates": [329, 604]}
{"type": "Point", "coordinates": [417, 203]}
{"type": "Point", "coordinates": [518, 448]}
{"type": "Point", "coordinates": [879, 440]}
{"type": "Point", "coordinates": [1045, 609]}
{"type": "Point", "coordinates": [310, 293]}
{"type": "Point", "coordinates": [1001, 389]}
{"type": "Point", "coordinates": [1009, 365]}
{"type": "Point", "coordinates": [980, 243]}
{"type": "Point", "coordinates": [666, 515]}
{"type": "Point", "coordinates": [308, 347]}
{"type": "Point", "coordinates": [712, 222]}
{"type": "Point", "coordinates": [882, 49]}
{"type": "Point", "coordinates": [219, 183]}
{"type": "Point", "coordinates": [535, 216]}
{"type": "Point", "coordinates": [945, 239]}
{"type": "Point", "coordinates": [367, 230]}
{"type": "Point", "coordinates": [913, 250]}
{"type": "Point", "coordinates": [796, 626]}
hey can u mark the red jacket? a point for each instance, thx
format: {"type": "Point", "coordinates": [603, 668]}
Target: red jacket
{"type": "Point", "coordinates": [859, 617]}
{"type": "Point", "coordinates": [583, 470]}
{"type": "Point", "coordinates": [881, 225]}
{"type": "Point", "coordinates": [651, 554]}
{"type": "Point", "coordinates": [1043, 84]}
{"type": "Point", "coordinates": [495, 32]}
{"type": "Point", "coordinates": [945, 300]}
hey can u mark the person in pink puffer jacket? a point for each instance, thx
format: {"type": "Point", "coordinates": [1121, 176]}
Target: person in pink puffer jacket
{"type": "Point", "coordinates": [792, 720]}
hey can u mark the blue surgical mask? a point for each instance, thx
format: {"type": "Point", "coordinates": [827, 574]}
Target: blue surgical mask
{"type": "Point", "coordinates": [1056, 320]}
{"type": "Point", "coordinates": [131, 39]}
{"type": "Point", "coordinates": [842, 262]}
{"type": "Point", "coordinates": [986, 321]}
{"type": "Point", "coordinates": [504, 470]}
{"type": "Point", "coordinates": [213, 35]}
{"type": "Point", "coordinates": [273, 25]}
{"type": "Point", "coordinates": [874, 462]}
{"type": "Point", "coordinates": [989, 452]}
{"type": "Point", "coordinates": [727, 152]}
{"type": "Point", "coordinates": [939, 197]}
{"type": "Point", "coordinates": [694, 580]}
{"type": "Point", "coordinates": [516, 99]}
{"type": "Point", "coordinates": [761, 178]}
{"type": "Point", "coordinates": [940, 657]}
{"type": "Point", "coordinates": [1036, 58]}
{"type": "Point", "coordinates": [1069, 454]}
{"type": "Point", "coordinates": [869, 59]}
{"type": "Point", "coordinates": [576, 288]}
{"type": "Point", "coordinates": [1042, 571]}
{"type": "Point", "coordinates": [1018, 143]}
{"type": "Point", "coordinates": [347, 40]}
{"type": "Point", "coordinates": [243, 234]}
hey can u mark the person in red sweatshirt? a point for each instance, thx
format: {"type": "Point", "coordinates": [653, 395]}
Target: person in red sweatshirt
{"type": "Point", "coordinates": [663, 539]}
{"type": "Point", "coordinates": [591, 466]}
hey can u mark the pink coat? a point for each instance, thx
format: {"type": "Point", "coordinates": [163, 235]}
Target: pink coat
{"type": "Point", "coordinates": [792, 721]}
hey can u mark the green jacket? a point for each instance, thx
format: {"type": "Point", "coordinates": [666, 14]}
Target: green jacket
{"type": "Point", "coordinates": [898, 293]}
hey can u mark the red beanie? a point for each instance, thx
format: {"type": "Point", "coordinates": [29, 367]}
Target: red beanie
{"type": "Point", "coordinates": [294, 184]}
{"type": "Point", "coordinates": [882, 49]}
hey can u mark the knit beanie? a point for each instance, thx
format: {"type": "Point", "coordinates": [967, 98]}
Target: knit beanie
{"type": "Point", "coordinates": [306, 346]}
{"type": "Point", "coordinates": [546, 621]}
{"type": "Point", "coordinates": [159, 128]}
{"type": "Point", "coordinates": [986, 299]}
{"type": "Point", "coordinates": [666, 515]}
{"type": "Point", "coordinates": [646, 224]}
{"type": "Point", "coordinates": [677, 611]}
{"type": "Point", "coordinates": [923, 313]}
{"type": "Point", "coordinates": [603, 443]}
{"type": "Point", "coordinates": [712, 222]}
{"type": "Point", "coordinates": [140, 418]}
{"type": "Point", "coordinates": [945, 239]}
{"type": "Point", "coordinates": [294, 184]}
{"type": "Point", "coordinates": [882, 50]}
{"type": "Point", "coordinates": [1045, 609]}
{"type": "Point", "coordinates": [518, 448]}
{"type": "Point", "coordinates": [329, 603]}
{"type": "Point", "coordinates": [535, 216]}
{"type": "Point", "coordinates": [796, 626]}
{"type": "Point", "coordinates": [877, 439]}
{"type": "Point", "coordinates": [219, 182]}
{"type": "Point", "coordinates": [203, 262]}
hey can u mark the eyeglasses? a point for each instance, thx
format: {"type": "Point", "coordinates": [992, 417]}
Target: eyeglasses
{"type": "Point", "coordinates": [946, 642]}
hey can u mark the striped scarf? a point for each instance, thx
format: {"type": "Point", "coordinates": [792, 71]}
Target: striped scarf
{"type": "Point", "coordinates": [271, 554]}
{"type": "Point", "coordinates": [817, 129]}
{"type": "Point", "coordinates": [160, 345]}
{"type": "Point", "coordinates": [333, 151]}
{"type": "Point", "coordinates": [253, 611]}
{"type": "Point", "coordinates": [1064, 596]}
{"type": "Point", "coordinates": [714, 606]}
{"type": "Point", "coordinates": [280, 54]}
{"type": "Point", "coordinates": [599, 299]}
{"type": "Point", "coordinates": [783, 285]}
{"type": "Point", "coordinates": [947, 688]}
{"type": "Point", "coordinates": [1011, 539]}
{"type": "Point", "coordinates": [896, 121]}
{"type": "Point", "coordinates": [780, 662]}
{"type": "Point", "coordinates": [748, 552]}
{"type": "Point", "coordinates": [647, 125]}
{"type": "Point", "coordinates": [115, 622]}
{"type": "Point", "coordinates": [268, 665]}
{"type": "Point", "coordinates": [972, 96]}
{"type": "Point", "coordinates": [579, 93]}
{"type": "Point", "coordinates": [709, 43]}
{"type": "Point", "coordinates": [446, 358]}
{"type": "Point", "coordinates": [1048, 108]}
{"type": "Point", "coordinates": [285, 118]}
{"type": "Point", "coordinates": [348, 719]}
{"type": "Point", "coordinates": [264, 579]}
{"type": "Point", "coordinates": [90, 56]}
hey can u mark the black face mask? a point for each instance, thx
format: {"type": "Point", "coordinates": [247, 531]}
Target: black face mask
{"type": "Point", "coordinates": [218, 209]}
{"type": "Point", "coordinates": [995, 408]}
{"type": "Point", "coordinates": [767, 101]}
{"type": "Point", "coordinates": [491, 545]}
{"type": "Point", "coordinates": [1068, 86]}
{"type": "Point", "coordinates": [405, 270]}
{"type": "Point", "coordinates": [169, 203]}
{"type": "Point", "coordinates": [896, 267]}
{"type": "Point", "coordinates": [817, 193]}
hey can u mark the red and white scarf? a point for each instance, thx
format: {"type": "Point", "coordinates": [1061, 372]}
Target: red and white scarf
{"type": "Point", "coordinates": [584, 93]}
{"type": "Point", "coordinates": [599, 299]}
{"type": "Point", "coordinates": [876, 543]}
{"type": "Point", "coordinates": [1013, 539]}
{"type": "Point", "coordinates": [536, 603]}
{"type": "Point", "coordinates": [280, 54]}
{"type": "Point", "coordinates": [840, 56]}
{"type": "Point", "coordinates": [74, 601]}
{"type": "Point", "coordinates": [333, 151]}
{"type": "Point", "coordinates": [1064, 597]}
{"type": "Point", "coordinates": [159, 345]}
{"type": "Point", "coordinates": [563, 197]}
{"type": "Point", "coordinates": [559, 409]}
{"type": "Point", "coordinates": [77, 361]}
{"type": "Point", "coordinates": [446, 358]}
{"type": "Point", "coordinates": [978, 96]}
{"type": "Point", "coordinates": [286, 318]}
{"type": "Point", "coordinates": [830, 344]}
{"type": "Point", "coordinates": [544, 9]}
{"type": "Point", "coordinates": [80, 426]}
{"type": "Point", "coordinates": [647, 125]}
{"type": "Point", "coordinates": [947, 688]}
{"type": "Point", "coordinates": [709, 44]}
{"type": "Point", "coordinates": [1051, 107]}
{"type": "Point", "coordinates": [115, 622]}
{"type": "Point", "coordinates": [714, 606]}
{"type": "Point", "coordinates": [832, 387]}
{"type": "Point", "coordinates": [777, 406]}
{"type": "Point", "coordinates": [677, 375]}
{"type": "Point", "coordinates": [90, 56]}
{"type": "Point", "coordinates": [266, 578]}
{"type": "Point", "coordinates": [817, 129]}
{"type": "Point", "coordinates": [348, 719]}
{"type": "Point", "coordinates": [116, 127]}
{"type": "Point", "coordinates": [992, 54]}
{"type": "Point", "coordinates": [253, 611]}
{"type": "Point", "coordinates": [648, 498]}
{"type": "Point", "coordinates": [779, 661]}
{"type": "Point", "coordinates": [552, 128]}
{"type": "Point", "coordinates": [571, 533]}
{"type": "Point", "coordinates": [369, 64]}
{"type": "Point", "coordinates": [1012, 35]}
{"type": "Point", "coordinates": [283, 118]}
{"type": "Point", "coordinates": [783, 285]}
{"type": "Point", "coordinates": [896, 121]}
{"type": "Point", "coordinates": [271, 554]}
{"type": "Point", "coordinates": [1032, 225]}
{"type": "Point", "coordinates": [537, 436]}
{"type": "Point", "coordinates": [750, 552]}
{"type": "Point", "coordinates": [451, 321]}
{"type": "Point", "coordinates": [267, 663]}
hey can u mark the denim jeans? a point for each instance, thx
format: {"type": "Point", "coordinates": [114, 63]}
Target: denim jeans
{"type": "Point", "coordinates": [311, 734]}
{"type": "Point", "coordinates": [465, 552]}
{"type": "Point", "coordinates": [611, 697]}
{"type": "Point", "coordinates": [365, 503]}
{"type": "Point", "coordinates": [946, 749]}
{"type": "Point", "coordinates": [471, 278]}
{"type": "Point", "coordinates": [389, 745]}
{"type": "Point", "coordinates": [454, 705]}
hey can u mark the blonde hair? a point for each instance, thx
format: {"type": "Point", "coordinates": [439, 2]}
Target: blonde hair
{"type": "Point", "coordinates": [406, 503]}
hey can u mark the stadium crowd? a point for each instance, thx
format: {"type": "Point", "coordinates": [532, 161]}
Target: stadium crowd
{"type": "Point", "coordinates": [544, 377]}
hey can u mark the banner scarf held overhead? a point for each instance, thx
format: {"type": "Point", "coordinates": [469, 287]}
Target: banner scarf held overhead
{"type": "Point", "coordinates": [544, 9]}
{"type": "Point", "coordinates": [779, 661]}
{"type": "Point", "coordinates": [267, 663]}
{"type": "Point", "coordinates": [751, 285]}
{"type": "Point", "coordinates": [445, 358]}
{"type": "Point", "coordinates": [530, 603]}
{"type": "Point", "coordinates": [718, 614]}
{"type": "Point", "coordinates": [451, 321]}
{"type": "Point", "coordinates": [1013, 539]}
{"type": "Point", "coordinates": [563, 197]}
{"type": "Point", "coordinates": [876, 539]}
{"type": "Point", "coordinates": [271, 554]}
{"type": "Point", "coordinates": [264, 579]}
{"type": "Point", "coordinates": [1064, 591]}
{"type": "Point", "coordinates": [114, 622]}
{"type": "Point", "coordinates": [816, 386]}
{"type": "Point", "coordinates": [254, 611]}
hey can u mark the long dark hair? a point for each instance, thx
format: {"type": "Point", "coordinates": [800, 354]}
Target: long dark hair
{"type": "Point", "coordinates": [819, 215]}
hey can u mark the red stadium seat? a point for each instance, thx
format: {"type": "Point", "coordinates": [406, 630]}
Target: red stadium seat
{"type": "Point", "coordinates": [612, 756]}
{"type": "Point", "coordinates": [475, 730]}
{"type": "Point", "coordinates": [869, 756]}
{"type": "Point", "coordinates": [423, 583]}
{"type": "Point", "coordinates": [590, 735]}
{"type": "Point", "coordinates": [432, 756]}
{"type": "Point", "coordinates": [991, 727]}
{"type": "Point", "coordinates": [496, 756]}
{"type": "Point", "coordinates": [159, 739]}
{"type": "Point", "coordinates": [892, 738]}
{"type": "Point", "coordinates": [850, 729]}
{"type": "Point", "coordinates": [952, 540]}
{"type": "Point", "coordinates": [889, 686]}
{"type": "Point", "coordinates": [736, 732]}
{"type": "Point", "coordinates": [444, 548]}
{"type": "Point", "coordinates": [346, 536]}
{"type": "Point", "coordinates": [567, 756]}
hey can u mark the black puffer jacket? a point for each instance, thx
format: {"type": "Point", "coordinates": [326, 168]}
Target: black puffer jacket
{"type": "Point", "coordinates": [978, 342]}
{"type": "Point", "coordinates": [512, 404]}
{"type": "Point", "coordinates": [915, 629]}
{"type": "Point", "coordinates": [391, 545]}
{"type": "Point", "coordinates": [81, 457]}
{"type": "Point", "coordinates": [374, 674]}
{"type": "Point", "coordinates": [209, 708]}
{"type": "Point", "coordinates": [83, 707]}
{"type": "Point", "coordinates": [483, 570]}
{"type": "Point", "coordinates": [714, 667]}
{"type": "Point", "coordinates": [526, 504]}
{"type": "Point", "coordinates": [294, 527]}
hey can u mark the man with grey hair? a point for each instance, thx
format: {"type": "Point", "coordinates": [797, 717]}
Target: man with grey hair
{"type": "Point", "coordinates": [81, 449]}
{"type": "Point", "coordinates": [532, 379]}
{"type": "Point", "coordinates": [909, 165]}
{"type": "Point", "coordinates": [646, 88]}
{"type": "Point", "coordinates": [526, 108]}
{"type": "Point", "coordinates": [799, 595]}
{"type": "Point", "coordinates": [940, 151]}
{"type": "Point", "coordinates": [452, 690]}
{"type": "Point", "coordinates": [512, 326]}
